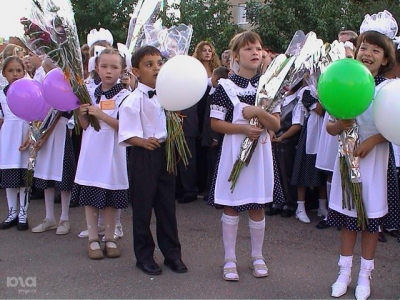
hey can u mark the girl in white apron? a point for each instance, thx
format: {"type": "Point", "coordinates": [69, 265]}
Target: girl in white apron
{"type": "Point", "coordinates": [231, 110]}
{"type": "Point", "coordinates": [13, 151]}
{"type": "Point", "coordinates": [101, 181]}
{"type": "Point", "coordinates": [376, 51]}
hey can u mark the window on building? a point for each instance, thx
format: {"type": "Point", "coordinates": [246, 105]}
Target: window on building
{"type": "Point", "coordinates": [241, 16]}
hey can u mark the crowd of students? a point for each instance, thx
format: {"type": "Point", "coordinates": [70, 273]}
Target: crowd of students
{"type": "Point", "coordinates": [125, 161]}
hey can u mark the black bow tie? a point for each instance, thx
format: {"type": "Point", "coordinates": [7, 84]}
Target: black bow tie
{"type": "Point", "coordinates": [151, 93]}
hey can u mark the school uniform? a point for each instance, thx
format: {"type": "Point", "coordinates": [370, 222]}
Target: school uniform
{"type": "Point", "coordinates": [13, 134]}
{"type": "Point", "coordinates": [101, 177]}
{"type": "Point", "coordinates": [291, 114]}
{"type": "Point", "coordinates": [255, 185]}
{"type": "Point", "coordinates": [327, 148]}
{"type": "Point", "coordinates": [305, 173]}
{"type": "Point", "coordinates": [150, 183]}
{"type": "Point", "coordinates": [55, 162]}
{"type": "Point", "coordinates": [374, 183]}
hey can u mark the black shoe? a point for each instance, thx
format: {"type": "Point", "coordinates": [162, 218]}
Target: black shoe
{"type": "Point", "coordinates": [322, 225]}
{"type": "Point", "coordinates": [381, 238]}
{"type": "Point", "coordinates": [74, 204]}
{"type": "Point", "coordinates": [273, 211]}
{"type": "Point", "coordinates": [287, 213]}
{"type": "Point", "coordinates": [9, 224]}
{"type": "Point", "coordinates": [36, 195]}
{"type": "Point", "coordinates": [23, 226]}
{"type": "Point", "coordinates": [176, 265]}
{"type": "Point", "coordinates": [150, 268]}
{"type": "Point", "coordinates": [187, 199]}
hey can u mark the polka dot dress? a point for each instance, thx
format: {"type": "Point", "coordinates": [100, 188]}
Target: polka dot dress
{"type": "Point", "coordinates": [279, 197]}
{"type": "Point", "coordinates": [222, 100]}
{"type": "Point", "coordinates": [68, 173]}
{"type": "Point", "coordinates": [304, 171]}
{"type": "Point", "coordinates": [13, 178]}
{"type": "Point", "coordinates": [392, 219]}
{"type": "Point", "coordinates": [99, 197]}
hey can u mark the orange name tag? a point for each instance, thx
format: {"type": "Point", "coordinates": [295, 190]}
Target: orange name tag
{"type": "Point", "coordinates": [107, 104]}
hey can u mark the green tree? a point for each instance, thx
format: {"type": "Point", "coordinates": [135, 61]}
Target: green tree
{"type": "Point", "coordinates": [211, 21]}
{"type": "Point", "coordinates": [277, 21]}
{"type": "Point", "coordinates": [110, 14]}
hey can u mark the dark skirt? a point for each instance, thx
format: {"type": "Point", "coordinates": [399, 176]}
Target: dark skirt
{"type": "Point", "coordinates": [337, 219]}
{"type": "Point", "coordinates": [68, 173]}
{"type": "Point", "coordinates": [99, 197]}
{"type": "Point", "coordinates": [13, 178]}
{"type": "Point", "coordinates": [304, 171]}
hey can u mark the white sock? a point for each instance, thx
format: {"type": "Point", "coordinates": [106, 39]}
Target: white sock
{"type": "Point", "coordinates": [345, 263]}
{"type": "Point", "coordinates": [322, 209]}
{"type": "Point", "coordinates": [257, 232]}
{"type": "Point", "coordinates": [230, 226]}
{"type": "Point", "coordinates": [49, 203]}
{"type": "Point", "coordinates": [366, 268]}
{"type": "Point", "coordinates": [65, 199]}
{"type": "Point", "coordinates": [23, 206]}
{"type": "Point", "coordinates": [12, 194]}
{"type": "Point", "coordinates": [301, 206]}
{"type": "Point", "coordinates": [118, 217]}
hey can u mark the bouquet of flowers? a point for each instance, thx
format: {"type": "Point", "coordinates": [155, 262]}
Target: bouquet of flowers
{"type": "Point", "coordinates": [269, 95]}
{"type": "Point", "coordinates": [51, 30]}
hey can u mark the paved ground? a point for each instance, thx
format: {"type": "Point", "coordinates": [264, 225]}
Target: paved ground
{"type": "Point", "coordinates": [302, 261]}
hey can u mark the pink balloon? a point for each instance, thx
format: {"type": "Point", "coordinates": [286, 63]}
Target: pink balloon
{"type": "Point", "coordinates": [57, 91]}
{"type": "Point", "coordinates": [25, 99]}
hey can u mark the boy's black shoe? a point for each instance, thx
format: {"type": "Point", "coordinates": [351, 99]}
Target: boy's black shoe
{"type": "Point", "coordinates": [322, 225]}
{"type": "Point", "coordinates": [150, 268]}
{"type": "Point", "coordinates": [176, 265]}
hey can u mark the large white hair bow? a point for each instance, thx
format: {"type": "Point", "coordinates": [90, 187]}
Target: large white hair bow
{"type": "Point", "coordinates": [99, 35]}
{"type": "Point", "coordinates": [382, 22]}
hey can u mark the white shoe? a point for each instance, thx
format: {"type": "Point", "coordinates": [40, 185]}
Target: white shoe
{"type": "Point", "coordinates": [302, 216]}
{"type": "Point", "coordinates": [85, 234]}
{"type": "Point", "coordinates": [362, 292]}
{"type": "Point", "coordinates": [340, 288]}
{"type": "Point", "coordinates": [322, 212]}
{"type": "Point", "coordinates": [45, 225]}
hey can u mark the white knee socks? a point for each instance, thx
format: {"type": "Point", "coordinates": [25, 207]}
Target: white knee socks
{"type": "Point", "coordinates": [49, 203]}
{"type": "Point", "coordinates": [23, 206]}
{"type": "Point", "coordinates": [230, 226]}
{"type": "Point", "coordinates": [257, 232]}
{"type": "Point", "coordinates": [65, 199]}
{"type": "Point", "coordinates": [12, 194]}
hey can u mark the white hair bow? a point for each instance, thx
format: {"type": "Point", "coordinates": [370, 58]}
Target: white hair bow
{"type": "Point", "coordinates": [396, 40]}
{"type": "Point", "coordinates": [99, 35]}
{"type": "Point", "coordinates": [382, 22]}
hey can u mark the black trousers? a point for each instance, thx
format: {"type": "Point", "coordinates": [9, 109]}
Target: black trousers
{"type": "Point", "coordinates": [151, 186]}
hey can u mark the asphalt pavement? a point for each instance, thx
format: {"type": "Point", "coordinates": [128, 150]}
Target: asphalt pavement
{"type": "Point", "coordinates": [302, 261]}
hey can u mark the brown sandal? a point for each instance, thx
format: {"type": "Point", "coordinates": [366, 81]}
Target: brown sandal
{"type": "Point", "coordinates": [111, 252]}
{"type": "Point", "coordinates": [97, 253]}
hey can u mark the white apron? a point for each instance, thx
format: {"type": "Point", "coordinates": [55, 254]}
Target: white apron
{"type": "Point", "coordinates": [13, 134]}
{"type": "Point", "coordinates": [328, 147]}
{"type": "Point", "coordinates": [373, 170]}
{"type": "Point", "coordinates": [50, 158]}
{"type": "Point", "coordinates": [102, 161]}
{"type": "Point", "coordinates": [256, 181]}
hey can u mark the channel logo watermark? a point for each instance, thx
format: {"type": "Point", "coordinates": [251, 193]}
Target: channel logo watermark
{"type": "Point", "coordinates": [24, 285]}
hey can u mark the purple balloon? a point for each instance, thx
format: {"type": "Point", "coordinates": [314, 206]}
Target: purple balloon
{"type": "Point", "coordinates": [57, 91]}
{"type": "Point", "coordinates": [25, 99]}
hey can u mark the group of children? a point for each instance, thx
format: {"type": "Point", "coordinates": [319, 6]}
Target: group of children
{"type": "Point", "coordinates": [107, 178]}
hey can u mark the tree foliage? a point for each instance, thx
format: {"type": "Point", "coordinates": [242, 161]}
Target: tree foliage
{"type": "Point", "coordinates": [277, 21]}
{"type": "Point", "coordinates": [110, 14]}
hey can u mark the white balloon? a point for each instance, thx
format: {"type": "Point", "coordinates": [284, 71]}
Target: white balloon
{"type": "Point", "coordinates": [181, 83]}
{"type": "Point", "coordinates": [386, 111]}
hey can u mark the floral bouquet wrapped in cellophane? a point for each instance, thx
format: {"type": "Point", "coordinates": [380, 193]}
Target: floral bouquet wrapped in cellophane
{"type": "Point", "coordinates": [50, 30]}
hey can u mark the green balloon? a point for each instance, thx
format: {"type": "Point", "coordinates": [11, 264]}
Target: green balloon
{"type": "Point", "coordinates": [346, 88]}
